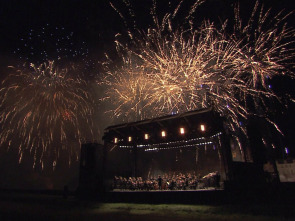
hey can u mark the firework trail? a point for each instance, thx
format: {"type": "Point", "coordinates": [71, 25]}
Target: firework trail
{"type": "Point", "coordinates": [45, 110]}
{"type": "Point", "coordinates": [219, 66]}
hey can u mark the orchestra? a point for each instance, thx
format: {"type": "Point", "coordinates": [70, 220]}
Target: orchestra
{"type": "Point", "coordinates": [178, 181]}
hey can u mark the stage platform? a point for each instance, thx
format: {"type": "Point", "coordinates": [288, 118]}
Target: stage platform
{"type": "Point", "coordinates": [190, 190]}
{"type": "Point", "coordinates": [201, 196]}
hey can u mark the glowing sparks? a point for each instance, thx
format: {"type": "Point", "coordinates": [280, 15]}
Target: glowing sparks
{"type": "Point", "coordinates": [49, 42]}
{"type": "Point", "coordinates": [166, 70]}
{"type": "Point", "coordinates": [45, 110]}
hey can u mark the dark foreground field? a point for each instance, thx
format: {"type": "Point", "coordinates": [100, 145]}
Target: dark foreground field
{"type": "Point", "coordinates": [25, 206]}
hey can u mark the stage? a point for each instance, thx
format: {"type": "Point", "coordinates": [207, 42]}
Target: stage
{"type": "Point", "coordinates": [205, 189]}
{"type": "Point", "coordinates": [200, 196]}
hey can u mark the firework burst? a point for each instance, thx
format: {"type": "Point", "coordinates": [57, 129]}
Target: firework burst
{"type": "Point", "coordinates": [182, 69]}
{"type": "Point", "coordinates": [45, 110]}
{"type": "Point", "coordinates": [129, 101]}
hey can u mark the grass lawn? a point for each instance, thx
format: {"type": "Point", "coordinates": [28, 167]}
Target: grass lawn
{"type": "Point", "coordinates": [48, 207]}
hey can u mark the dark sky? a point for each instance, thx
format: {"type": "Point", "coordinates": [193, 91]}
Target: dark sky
{"type": "Point", "coordinates": [95, 22]}
{"type": "Point", "coordinates": [85, 29]}
{"type": "Point", "coordinates": [90, 22]}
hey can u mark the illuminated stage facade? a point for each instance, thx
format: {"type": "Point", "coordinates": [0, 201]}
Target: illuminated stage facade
{"type": "Point", "coordinates": [189, 157]}
{"type": "Point", "coordinates": [186, 151]}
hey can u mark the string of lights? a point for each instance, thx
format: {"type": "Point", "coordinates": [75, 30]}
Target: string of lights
{"type": "Point", "coordinates": [175, 144]}
{"type": "Point", "coordinates": [178, 147]}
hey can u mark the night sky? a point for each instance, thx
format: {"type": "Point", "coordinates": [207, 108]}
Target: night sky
{"type": "Point", "coordinates": [82, 31]}
{"type": "Point", "coordinates": [93, 24]}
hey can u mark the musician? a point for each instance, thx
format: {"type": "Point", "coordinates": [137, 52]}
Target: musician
{"type": "Point", "coordinates": [160, 180]}
{"type": "Point", "coordinates": [172, 184]}
{"type": "Point", "coordinates": [115, 182]}
{"type": "Point", "coordinates": [217, 179]}
{"type": "Point", "coordinates": [145, 185]}
{"type": "Point", "coordinates": [186, 181]}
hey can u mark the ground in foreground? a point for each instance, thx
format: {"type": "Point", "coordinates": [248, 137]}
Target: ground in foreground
{"type": "Point", "coordinates": [55, 207]}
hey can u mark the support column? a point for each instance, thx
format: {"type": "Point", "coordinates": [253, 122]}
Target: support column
{"type": "Point", "coordinates": [91, 171]}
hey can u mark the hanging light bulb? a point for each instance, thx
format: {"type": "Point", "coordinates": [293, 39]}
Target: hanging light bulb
{"type": "Point", "coordinates": [146, 136]}
{"type": "Point", "coordinates": [181, 130]}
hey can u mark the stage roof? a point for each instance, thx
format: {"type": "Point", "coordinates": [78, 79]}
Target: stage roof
{"type": "Point", "coordinates": [178, 127]}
